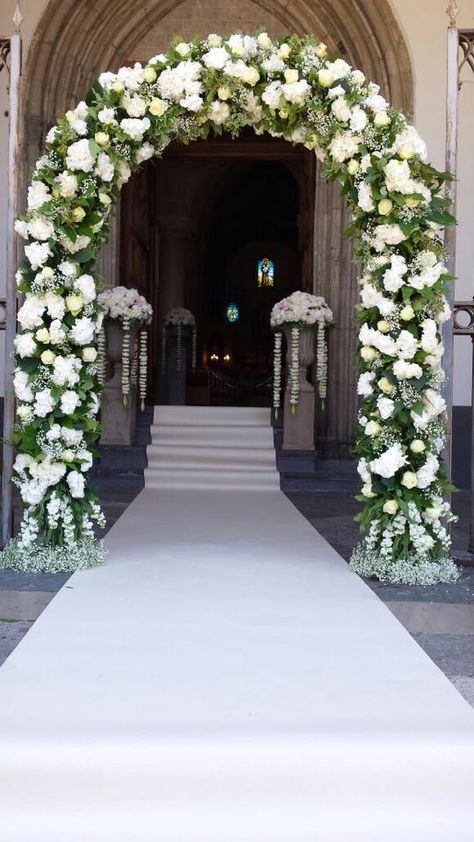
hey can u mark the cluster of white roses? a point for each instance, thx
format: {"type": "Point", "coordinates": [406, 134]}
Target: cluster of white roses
{"type": "Point", "coordinates": [126, 305]}
{"type": "Point", "coordinates": [292, 89]}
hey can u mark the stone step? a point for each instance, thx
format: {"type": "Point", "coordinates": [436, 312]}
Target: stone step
{"type": "Point", "coordinates": [212, 480]}
{"type": "Point", "coordinates": [211, 415]}
{"type": "Point", "coordinates": [216, 459]}
{"type": "Point", "coordinates": [212, 435]}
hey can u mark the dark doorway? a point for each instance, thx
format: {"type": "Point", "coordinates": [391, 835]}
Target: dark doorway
{"type": "Point", "coordinates": [195, 226]}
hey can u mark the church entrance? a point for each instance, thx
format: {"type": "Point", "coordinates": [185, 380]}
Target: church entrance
{"type": "Point", "coordinates": [224, 228]}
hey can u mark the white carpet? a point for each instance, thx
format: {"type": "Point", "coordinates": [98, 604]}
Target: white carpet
{"type": "Point", "coordinates": [226, 678]}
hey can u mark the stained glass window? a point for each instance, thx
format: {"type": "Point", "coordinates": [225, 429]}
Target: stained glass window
{"type": "Point", "coordinates": [265, 272]}
{"type": "Point", "coordinates": [232, 312]}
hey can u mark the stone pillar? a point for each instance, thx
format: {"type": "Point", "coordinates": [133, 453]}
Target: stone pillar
{"type": "Point", "coordinates": [118, 419]}
{"type": "Point", "coordinates": [298, 427]}
{"type": "Point", "coordinates": [176, 372]}
{"type": "Point", "coordinates": [108, 261]}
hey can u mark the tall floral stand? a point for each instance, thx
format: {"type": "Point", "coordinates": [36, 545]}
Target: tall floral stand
{"type": "Point", "coordinates": [118, 415]}
{"type": "Point", "coordinates": [298, 425]}
{"type": "Point", "coordinates": [177, 341]}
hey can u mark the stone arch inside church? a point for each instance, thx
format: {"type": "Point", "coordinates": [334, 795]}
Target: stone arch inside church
{"type": "Point", "coordinates": [77, 40]}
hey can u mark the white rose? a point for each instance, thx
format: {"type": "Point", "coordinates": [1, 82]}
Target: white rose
{"type": "Point", "coordinates": [218, 112]}
{"type": "Point", "coordinates": [44, 403]}
{"type": "Point", "coordinates": [391, 507]}
{"type": "Point", "coordinates": [37, 254]}
{"type": "Point", "coordinates": [38, 195]}
{"type": "Point", "coordinates": [135, 106]}
{"type": "Point", "coordinates": [409, 479]}
{"type": "Point", "coordinates": [83, 331]}
{"type": "Point", "coordinates": [104, 167]}
{"type": "Point", "coordinates": [144, 153]}
{"type": "Point", "coordinates": [67, 184]}
{"type": "Point", "coordinates": [106, 116]}
{"type": "Point", "coordinates": [341, 110]}
{"type": "Point", "coordinates": [85, 284]}
{"type": "Point", "coordinates": [365, 201]}
{"type": "Point", "coordinates": [69, 402]}
{"type": "Point", "coordinates": [385, 406]}
{"type": "Point", "coordinates": [40, 228]}
{"type": "Point", "coordinates": [25, 345]}
{"type": "Point", "coordinates": [217, 57]}
{"type": "Point", "coordinates": [21, 228]}
{"type": "Point", "coordinates": [79, 156]}
{"type": "Point", "coordinates": [135, 128]}
{"type": "Point", "coordinates": [76, 483]}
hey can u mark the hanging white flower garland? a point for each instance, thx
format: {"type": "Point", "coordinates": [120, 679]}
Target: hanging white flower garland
{"type": "Point", "coordinates": [179, 317]}
{"type": "Point", "coordinates": [127, 306]}
{"type": "Point", "coordinates": [299, 310]}
{"type": "Point", "coordinates": [291, 88]}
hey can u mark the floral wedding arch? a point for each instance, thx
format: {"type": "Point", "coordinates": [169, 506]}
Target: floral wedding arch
{"type": "Point", "coordinates": [289, 88]}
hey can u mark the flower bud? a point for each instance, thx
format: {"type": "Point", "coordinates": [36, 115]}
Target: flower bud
{"type": "Point", "coordinates": [78, 214]}
{"type": "Point", "coordinates": [223, 92]}
{"type": "Point", "coordinates": [372, 428]}
{"type": "Point", "coordinates": [67, 456]}
{"type": "Point", "coordinates": [368, 353]}
{"type": "Point", "coordinates": [104, 199]}
{"type": "Point", "coordinates": [411, 202]}
{"type": "Point", "coordinates": [406, 152]}
{"type": "Point", "coordinates": [89, 354]}
{"type": "Point", "coordinates": [102, 138]}
{"type": "Point", "coordinates": [149, 74]}
{"type": "Point", "coordinates": [409, 479]}
{"type": "Point", "coordinates": [417, 446]}
{"type": "Point", "coordinates": [391, 507]}
{"type": "Point", "coordinates": [407, 314]}
{"type": "Point", "coordinates": [321, 50]}
{"type": "Point", "coordinates": [291, 75]}
{"type": "Point", "coordinates": [183, 49]}
{"type": "Point", "coordinates": [325, 78]}
{"type": "Point", "coordinates": [48, 357]}
{"type": "Point", "coordinates": [385, 206]}
{"type": "Point", "coordinates": [118, 87]}
{"type": "Point", "coordinates": [383, 326]}
{"type": "Point", "coordinates": [264, 41]}
{"type": "Point", "coordinates": [74, 303]}
{"type": "Point", "coordinates": [157, 107]}
{"type": "Point", "coordinates": [42, 335]}
{"type": "Point", "coordinates": [367, 490]}
{"type": "Point", "coordinates": [353, 167]}
{"type": "Point", "coordinates": [283, 51]}
{"type": "Point", "coordinates": [385, 386]}
{"type": "Point", "coordinates": [381, 119]}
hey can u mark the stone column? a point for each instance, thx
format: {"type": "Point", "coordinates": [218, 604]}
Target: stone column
{"type": "Point", "coordinates": [118, 419]}
{"type": "Point", "coordinates": [298, 427]}
{"type": "Point", "coordinates": [174, 237]}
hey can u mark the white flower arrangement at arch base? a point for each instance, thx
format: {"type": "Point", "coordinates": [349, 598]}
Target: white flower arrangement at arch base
{"type": "Point", "coordinates": [127, 306]}
{"type": "Point", "coordinates": [292, 89]}
{"type": "Point", "coordinates": [179, 317]}
{"type": "Point", "coordinates": [300, 310]}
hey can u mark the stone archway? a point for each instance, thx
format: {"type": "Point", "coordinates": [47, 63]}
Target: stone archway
{"type": "Point", "coordinates": [77, 39]}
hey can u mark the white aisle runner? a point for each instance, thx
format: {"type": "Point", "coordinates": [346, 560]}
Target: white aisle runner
{"type": "Point", "coordinates": [225, 677]}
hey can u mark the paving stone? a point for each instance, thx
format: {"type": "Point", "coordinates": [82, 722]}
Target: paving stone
{"type": "Point", "coordinates": [434, 617]}
{"type": "Point", "coordinates": [465, 686]}
{"type": "Point", "coordinates": [453, 653]}
{"type": "Point", "coordinates": [10, 636]}
{"type": "Point", "coordinates": [11, 580]}
{"type": "Point", "coordinates": [23, 605]}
